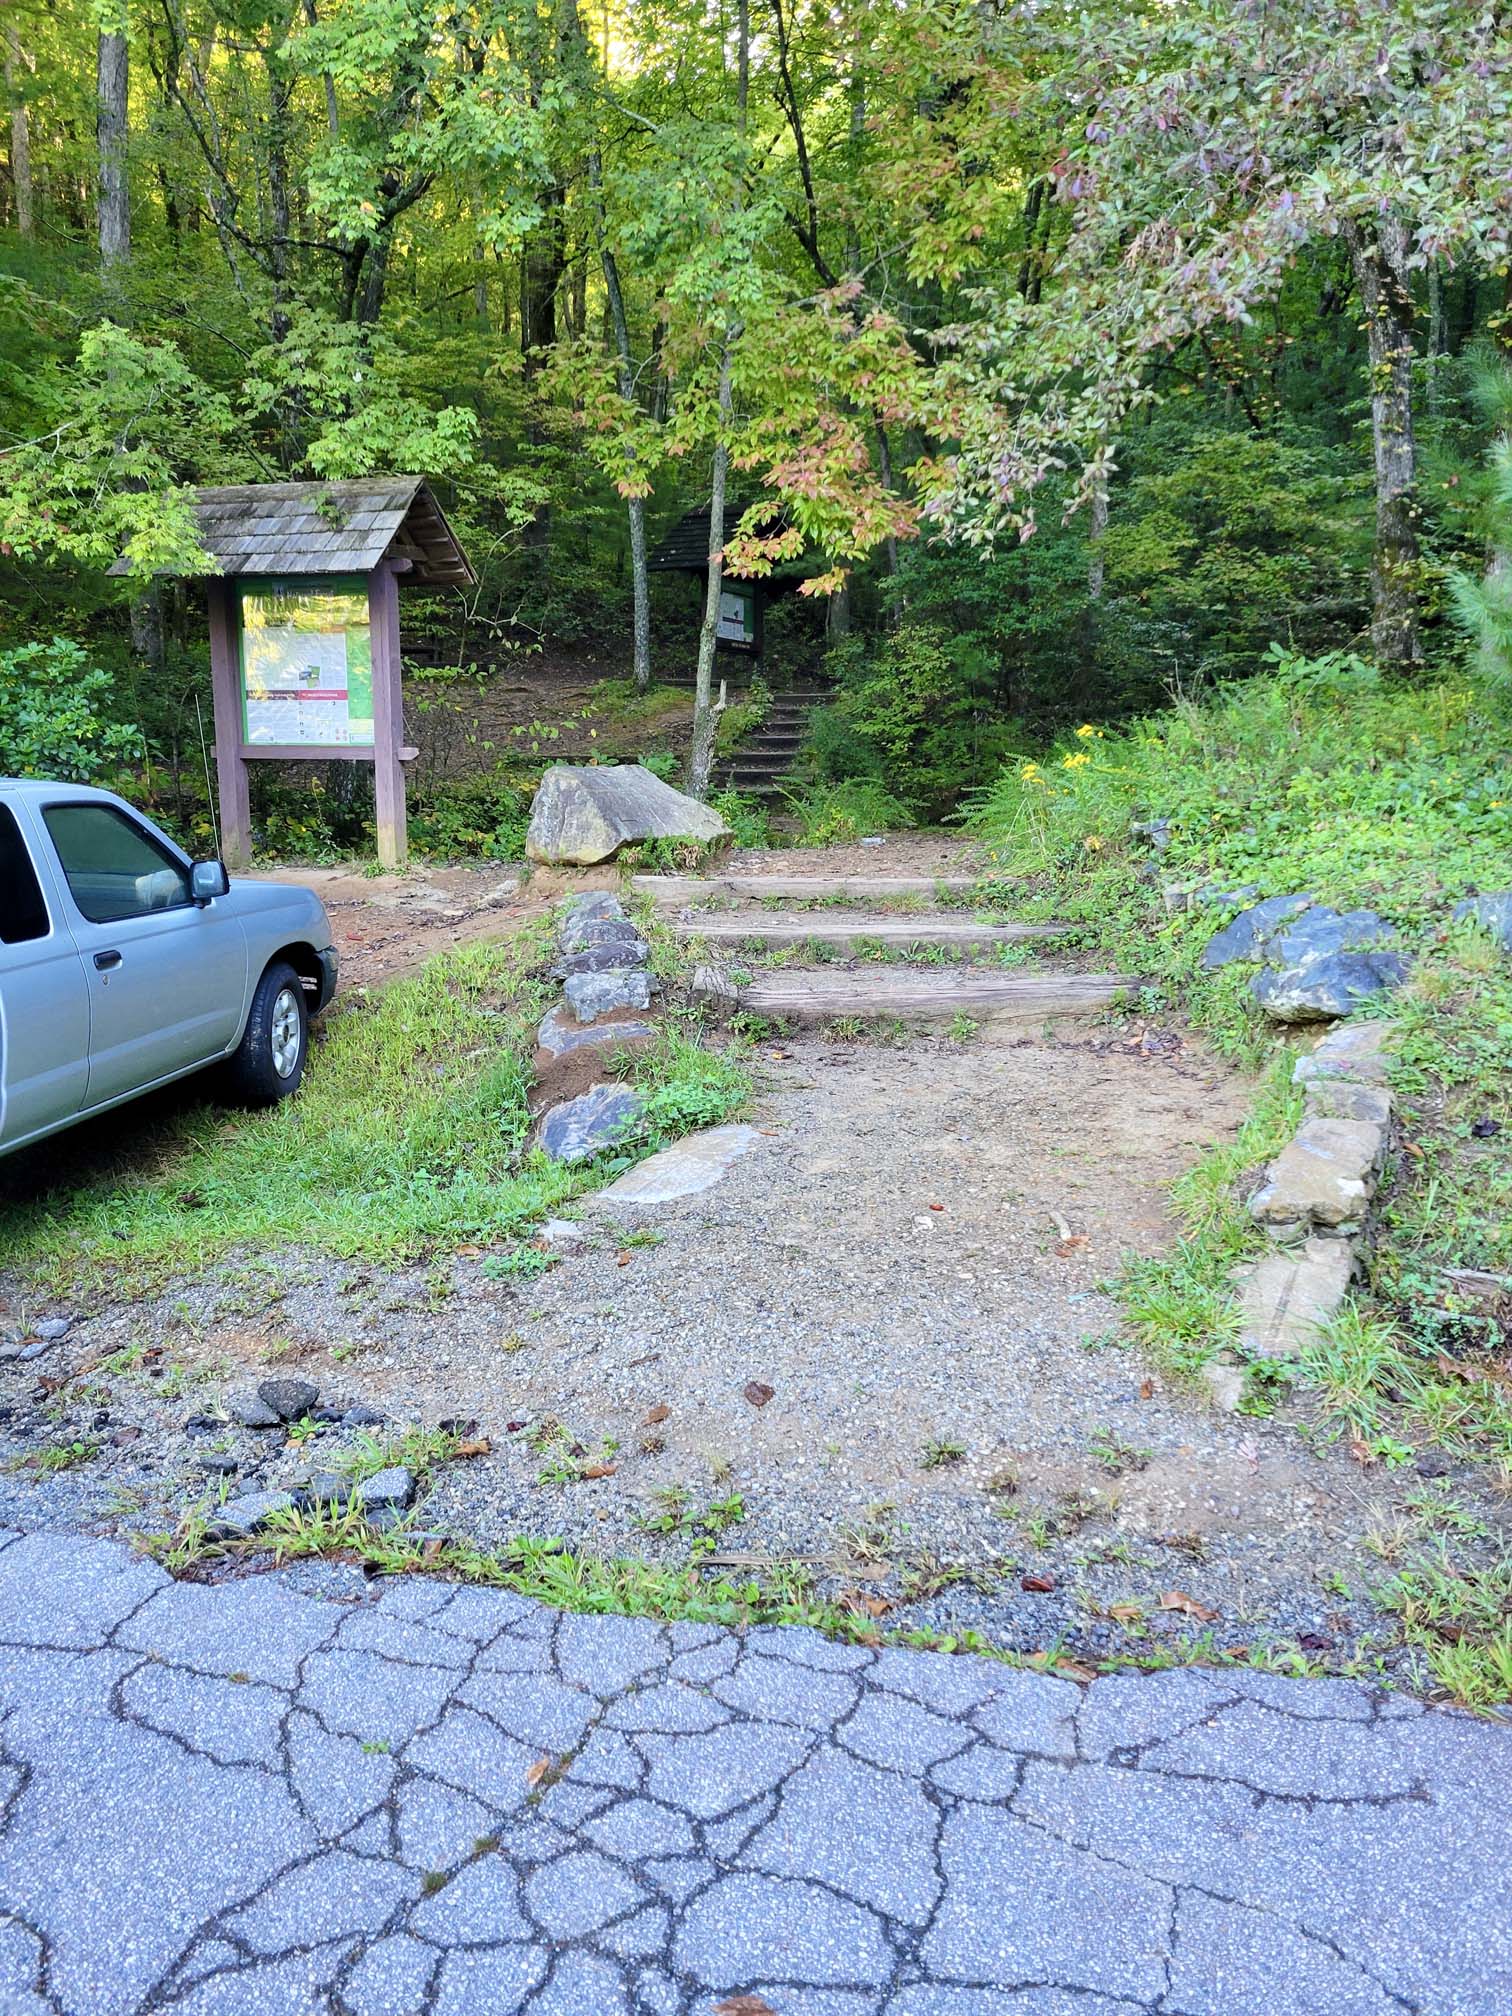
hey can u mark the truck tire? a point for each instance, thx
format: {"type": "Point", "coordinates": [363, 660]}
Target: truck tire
{"type": "Point", "coordinates": [270, 1059]}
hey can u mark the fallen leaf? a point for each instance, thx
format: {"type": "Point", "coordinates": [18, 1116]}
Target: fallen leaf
{"type": "Point", "coordinates": [1126, 1613]}
{"type": "Point", "coordinates": [1073, 1669]}
{"type": "Point", "coordinates": [1178, 1599]}
{"type": "Point", "coordinates": [1038, 1585]}
{"type": "Point", "coordinates": [513, 1427]}
{"type": "Point", "coordinates": [123, 1436]}
{"type": "Point", "coordinates": [937, 1207]}
{"type": "Point", "coordinates": [1362, 1452]}
{"type": "Point", "coordinates": [859, 1602]}
{"type": "Point", "coordinates": [1411, 1148]}
{"type": "Point", "coordinates": [757, 1392]}
{"type": "Point", "coordinates": [623, 1257]}
{"type": "Point", "coordinates": [1147, 1389]}
{"type": "Point", "coordinates": [744, 2005]}
{"type": "Point", "coordinates": [537, 1772]}
{"type": "Point", "coordinates": [1066, 1247]}
{"type": "Point", "coordinates": [480, 1446]}
{"type": "Point", "coordinates": [657, 1414]}
{"type": "Point", "coordinates": [469, 1252]}
{"type": "Point", "coordinates": [593, 1471]}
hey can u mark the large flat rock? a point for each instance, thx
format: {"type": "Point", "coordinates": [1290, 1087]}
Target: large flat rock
{"type": "Point", "coordinates": [693, 1164]}
{"type": "Point", "coordinates": [1287, 1297]}
{"type": "Point", "coordinates": [585, 813]}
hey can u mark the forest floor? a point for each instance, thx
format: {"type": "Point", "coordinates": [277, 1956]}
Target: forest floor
{"type": "Point", "coordinates": [917, 1259]}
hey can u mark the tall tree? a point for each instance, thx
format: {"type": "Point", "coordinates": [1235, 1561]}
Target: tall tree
{"type": "Point", "coordinates": [20, 128]}
{"type": "Point", "coordinates": [113, 82]}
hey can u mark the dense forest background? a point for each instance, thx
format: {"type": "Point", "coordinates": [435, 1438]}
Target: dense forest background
{"type": "Point", "coordinates": [1085, 356]}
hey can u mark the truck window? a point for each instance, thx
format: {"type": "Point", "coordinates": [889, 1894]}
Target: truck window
{"type": "Point", "coordinates": [114, 869]}
{"type": "Point", "coordinates": [23, 914]}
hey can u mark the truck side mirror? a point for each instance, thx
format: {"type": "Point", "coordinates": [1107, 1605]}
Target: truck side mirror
{"type": "Point", "coordinates": [207, 880]}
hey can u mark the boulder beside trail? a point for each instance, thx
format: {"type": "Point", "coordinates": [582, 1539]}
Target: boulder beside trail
{"type": "Point", "coordinates": [584, 813]}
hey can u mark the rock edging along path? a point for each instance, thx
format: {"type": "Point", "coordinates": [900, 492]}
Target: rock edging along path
{"type": "Point", "coordinates": [301, 1794]}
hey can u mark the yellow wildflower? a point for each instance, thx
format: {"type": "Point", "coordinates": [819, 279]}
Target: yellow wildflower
{"type": "Point", "coordinates": [1093, 843]}
{"type": "Point", "coordinates": [1075, 762]}
{"type": "Point", "coordinates": [1028, 772]}
{"type": "Point", "coordinates": [1087, 731]}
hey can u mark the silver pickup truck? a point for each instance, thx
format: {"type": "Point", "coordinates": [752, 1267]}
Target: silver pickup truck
{"type": "Point", "coordinates": [124, 964]}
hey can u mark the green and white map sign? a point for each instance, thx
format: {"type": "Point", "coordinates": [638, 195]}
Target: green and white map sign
{"type": "Point", "coordinates": [307, 663]}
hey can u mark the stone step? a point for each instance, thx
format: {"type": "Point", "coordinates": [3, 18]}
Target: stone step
{"type": "Point", "coordinates": [680, 889]}
{"type": "Point", "coordinates": [843, 932]}
{"type": "Point", "coordinates": [883, 992]}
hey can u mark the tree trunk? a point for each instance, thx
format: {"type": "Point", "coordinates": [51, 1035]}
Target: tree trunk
{"type": "Point", "coordinates": [705, 712]}
{"type": "Point", "coordinates": [640, 584]}
{"type": "Point", "coordinates": [20, 131]}
{"type": "Point", "coordinates": [280, 92]}
{"type": "Point", "coordinates": [110, 129]}
{"type": "Point", "coordinates": [1380, 274]}
{"type": "Point", "coordinates": [1097, 527]}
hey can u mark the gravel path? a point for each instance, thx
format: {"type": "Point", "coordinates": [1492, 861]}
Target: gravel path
{"type": "Point", "coordinates": [307, 1795]}
{"type": "Point", "coordinates": [951, 1437]}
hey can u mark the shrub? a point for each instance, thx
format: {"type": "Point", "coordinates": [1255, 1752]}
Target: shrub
{"type": "Point", "coordinates": [832, 814]}
{"type": "Point", "coordinates": [915, 716]}
{"type": "Point", "coordinates": [52, 716]}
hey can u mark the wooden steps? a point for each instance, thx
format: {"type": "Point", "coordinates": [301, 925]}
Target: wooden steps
{"type": "Point", "coordinates": [907, 994]}
{"type": "Point", "coordinates": [730, 927]}
{"type": "Point", "coordinates": [679, 889]}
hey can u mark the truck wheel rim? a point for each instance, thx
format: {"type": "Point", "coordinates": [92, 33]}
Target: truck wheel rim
{"type": "Point", "coordinates": [285, 1032]}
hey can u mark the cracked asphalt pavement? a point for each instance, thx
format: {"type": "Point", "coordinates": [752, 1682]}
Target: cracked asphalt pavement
{"type": "Point", "coordinates": [309, 1794]}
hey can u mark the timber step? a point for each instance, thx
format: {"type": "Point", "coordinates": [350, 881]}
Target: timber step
{"type": "Point", "coordinates": [677, 889]}
{"type": "Point", "coordinates": [813, 928]}
{"type": "Point", "coordinates": [896, 992]}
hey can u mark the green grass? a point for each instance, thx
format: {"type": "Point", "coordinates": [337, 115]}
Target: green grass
{"type": "Point", "coordinates": [409, 1133]}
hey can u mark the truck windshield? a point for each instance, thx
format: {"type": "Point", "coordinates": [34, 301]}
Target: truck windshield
{"type": "Point", "coordinates": [23, 914]}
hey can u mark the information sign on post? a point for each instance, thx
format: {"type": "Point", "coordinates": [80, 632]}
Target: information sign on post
{"type": "Point", "coordinates": [304, 631]}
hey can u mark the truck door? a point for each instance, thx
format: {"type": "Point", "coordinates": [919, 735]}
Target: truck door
{"type": "Point", "coordinates": [44, 998]}
{"type": "Point", "coordinates": [166, 977]}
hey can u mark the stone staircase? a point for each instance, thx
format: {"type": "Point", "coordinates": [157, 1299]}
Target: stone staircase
{"type": "Point", "coordinates": [759, 766]}
{"type": "Point", "coordinates": [885, 947]}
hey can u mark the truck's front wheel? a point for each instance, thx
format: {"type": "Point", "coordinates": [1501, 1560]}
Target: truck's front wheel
{"type": "Point", "coordinates": [270, 1059]}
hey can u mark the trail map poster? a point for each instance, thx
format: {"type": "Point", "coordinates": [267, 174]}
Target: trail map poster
{"type": "Point", "coordinates": [307, 663]}
{"type": "Point", "coordinates": [736, 622]}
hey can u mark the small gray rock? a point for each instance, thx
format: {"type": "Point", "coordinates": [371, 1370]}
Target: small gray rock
{"type": "Point", "coordinates": [594, 994]}
{"type": "Point", "coordinates": [610, 955]}
{"type": "Point", "coordinates": [561, 1033]}
{"type": "Point", "coordinates": [219, 1466]}
{"type": "Point", "coordinates": [328, 1487]}
{"type": "Point", "coordinates": [560, 1235]}
{"type": "Point", "coordinates": [239, 1518]}
{"type": "Point", "coordinates": [1319, 932]}
{"type": "Point", "coordinates": [362, 1417]}
{"type": "Point", "coordinates": [583, 913]}
{"type": "Point", "coordinates": [1322, 990]}
{"type": "Point", "coordinates": [387, 1490]}
{"type": "Point", "coordinates": [290, 1399]}
{"type": "Point", "coordinates": [248, 1407]}
{"type": "Point", "coordinates": [583, 1127]}
{"type": "Point", "coordinates": [1246, 936]}
{"type": "Point", "coordinates": [385, 1518]}
{"type": "Point", "coordinates": [1156, 832]}
{"type": "Point", "coordinates": [29, 1351]}
{"type": "Point", "coordinates": [1493, 911]}
{"type": "Point", "coordinates": [51, 1328]}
